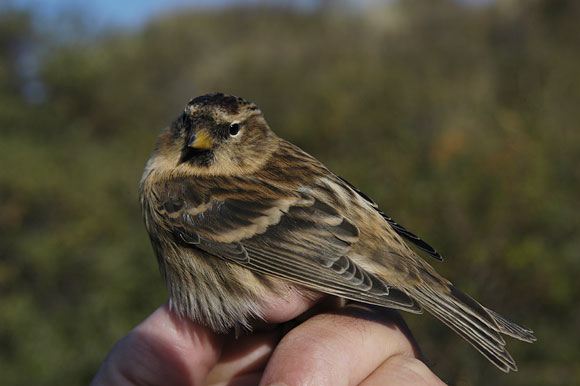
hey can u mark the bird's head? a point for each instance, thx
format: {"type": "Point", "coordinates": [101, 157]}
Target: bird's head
{"type": "Point", "coordinates": [218, 134]}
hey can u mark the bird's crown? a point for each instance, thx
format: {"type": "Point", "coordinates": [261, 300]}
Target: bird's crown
{"type": "Point", "coordinates": [229, 103]}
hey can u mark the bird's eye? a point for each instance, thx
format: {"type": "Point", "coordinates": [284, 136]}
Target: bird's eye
{"type": "Point", "coordinates": [234, 129]}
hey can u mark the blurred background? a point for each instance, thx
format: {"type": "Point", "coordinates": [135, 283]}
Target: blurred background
{"type": "Point", "coordinates": [460, 118]}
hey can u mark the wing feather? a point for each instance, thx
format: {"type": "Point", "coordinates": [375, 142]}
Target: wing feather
{"type": "Point", "coordinates": [402, 231]}
{"type": "Point", "coordinates": [296, 237]}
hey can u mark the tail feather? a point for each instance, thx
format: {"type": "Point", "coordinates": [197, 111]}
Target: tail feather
{"type": "Point", "coordinates": [512, 328]}
{"type": "Point", "coordinates": [475, 323]}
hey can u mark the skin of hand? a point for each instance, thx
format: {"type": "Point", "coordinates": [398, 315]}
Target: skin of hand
{"type": "Point", "coordinates": [365, 346]}
{"type": "Point", "coordinates": [237, 215]}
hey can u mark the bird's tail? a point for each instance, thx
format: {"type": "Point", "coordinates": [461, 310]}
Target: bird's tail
{"type": "Point", "coordinates": [478, 325]}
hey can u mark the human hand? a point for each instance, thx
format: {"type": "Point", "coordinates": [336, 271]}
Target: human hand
{"type": "Point", "coordinates": [352, 345]}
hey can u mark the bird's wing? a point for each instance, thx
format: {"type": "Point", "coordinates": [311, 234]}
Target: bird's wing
{"type": "Point", "coordinates": [287, 234]}
{"type": "Point", "coordinates": [401, 231]}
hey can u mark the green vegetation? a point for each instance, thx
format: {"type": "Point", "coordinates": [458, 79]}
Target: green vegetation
{"type": "Point", "coordinates": [462, 122]}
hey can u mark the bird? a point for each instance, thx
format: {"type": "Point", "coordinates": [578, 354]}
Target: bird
{"type": "Point", "coordinates": [235, 212]}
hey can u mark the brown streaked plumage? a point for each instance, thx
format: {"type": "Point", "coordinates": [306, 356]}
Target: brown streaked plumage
{"type": "Point", "coordinates": [231, 209]}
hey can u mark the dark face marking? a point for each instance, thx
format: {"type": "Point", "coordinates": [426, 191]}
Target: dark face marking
{"type": "Point", "coordinates": [196, 157]}
{"type": "Point", "coordinates": [178, 127]}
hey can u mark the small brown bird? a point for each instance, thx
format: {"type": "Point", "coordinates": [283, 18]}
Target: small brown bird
{"type": "Point", "coordinates": [235, 212]}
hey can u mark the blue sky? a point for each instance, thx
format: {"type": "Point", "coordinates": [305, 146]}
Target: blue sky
{"type": "Point", "coordinates": [113, 12]}
{"type": "Point", "coordinates": [133, 13]}
{"type": "Point", "coordinates": [121, 13]}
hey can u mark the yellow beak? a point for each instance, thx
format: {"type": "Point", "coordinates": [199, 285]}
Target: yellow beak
{"type": "Point", "coordinates": [201, 140]}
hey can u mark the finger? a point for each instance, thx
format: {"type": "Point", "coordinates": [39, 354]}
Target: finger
{"type": "Point", "coordinates": [340, 348]}
{"type": "Point", "coordinates": [164, 349]}
{"type": "Point", "coordinates": [402, 370]}
{"type": "Point", "coordinates": [248, 355]}
{"type": "Point", "coordinates": [279, 308]}
{"type": "Point", "coordinates": [244, 359]}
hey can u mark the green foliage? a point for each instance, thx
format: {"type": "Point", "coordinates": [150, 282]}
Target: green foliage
{"type": "Point", "coordinates": [461, 122]}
